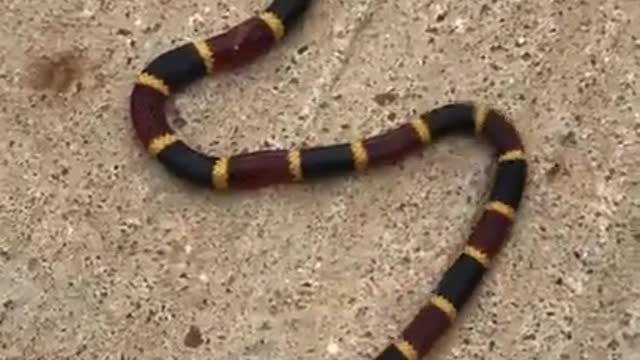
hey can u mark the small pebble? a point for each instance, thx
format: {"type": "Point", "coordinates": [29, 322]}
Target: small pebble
{"type": "Point", "coordinates": [333, 348]}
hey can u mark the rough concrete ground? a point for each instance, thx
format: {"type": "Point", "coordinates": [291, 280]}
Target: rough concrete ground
{"type": "Point", "coordinates": [104, 255]}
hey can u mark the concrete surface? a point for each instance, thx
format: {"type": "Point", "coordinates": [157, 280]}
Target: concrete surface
{"type": "Point", "coordinates": [103, 255]}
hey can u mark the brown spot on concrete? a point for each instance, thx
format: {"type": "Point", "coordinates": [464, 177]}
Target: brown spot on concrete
{"type": "Point", "coordinates": [385, 98]}
{"type": "Point", "coordinates": [558, 168]}
{"type": "Point", "coordinates": [569, 139]}
{"type": "Point", "coordinates": [553, 170]}
{"type": "Point", "coordinates": [193, 338]}
{"type": "Point", "coordinates": [56, 72]}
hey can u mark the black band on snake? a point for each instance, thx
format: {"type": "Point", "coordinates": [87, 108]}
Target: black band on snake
{"type": "Point", "coordinates": [174, 70]}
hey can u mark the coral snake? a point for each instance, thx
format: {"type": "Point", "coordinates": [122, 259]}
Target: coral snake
{"type": "Point", "coordinates": [175, 69]}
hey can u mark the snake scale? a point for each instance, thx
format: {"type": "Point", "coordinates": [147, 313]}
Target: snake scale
{"type": "Point", "coordinates": [175, 69]}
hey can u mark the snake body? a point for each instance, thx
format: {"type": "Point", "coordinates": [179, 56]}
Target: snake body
{"type": "Point", "coordinates": [177, 68]}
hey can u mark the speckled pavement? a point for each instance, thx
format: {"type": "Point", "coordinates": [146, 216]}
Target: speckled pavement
{"type": "Point", "coordinates": [104, 255]}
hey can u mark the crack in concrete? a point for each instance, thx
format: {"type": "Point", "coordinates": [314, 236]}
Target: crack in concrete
{"type": "Point", "coordinates": [340, 60]}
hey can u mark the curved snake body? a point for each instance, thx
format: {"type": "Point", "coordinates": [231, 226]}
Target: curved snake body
{"type": "Point", "coordinates": [175, 69]}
